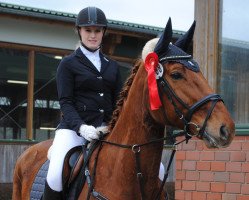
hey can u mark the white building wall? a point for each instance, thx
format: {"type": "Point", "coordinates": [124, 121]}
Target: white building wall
{"type": "Point", "coordinates": [37, 33]}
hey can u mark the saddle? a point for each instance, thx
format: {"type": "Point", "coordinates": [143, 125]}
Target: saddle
{"type": "Point", "coordinates": [74, 170]}
{"type": "Point", "coordinates": [73, 162]}
{"type": "Point", "coordinates": [73, 177]}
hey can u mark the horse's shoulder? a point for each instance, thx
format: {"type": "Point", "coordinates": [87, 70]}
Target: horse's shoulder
{"type": "Point", "coordinates": [36, 152]}
{"type": "Point", "coordinates": [44, 145]}
{"type": "Point", "coordinates": [29, 162]}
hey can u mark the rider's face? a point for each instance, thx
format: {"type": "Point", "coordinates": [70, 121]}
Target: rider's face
{"type": "Point", "coordinates": [91, 36]}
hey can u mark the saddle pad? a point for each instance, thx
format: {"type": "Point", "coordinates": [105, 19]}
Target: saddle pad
{"type": "Point", "coordinates": [39, 182]}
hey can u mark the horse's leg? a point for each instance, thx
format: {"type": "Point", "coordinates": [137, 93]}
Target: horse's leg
{"type": "Point", "coordinates": [26, 169]}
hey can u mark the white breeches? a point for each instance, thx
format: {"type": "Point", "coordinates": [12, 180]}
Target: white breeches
{"type": "Point", "coordinates": [64, 140]}
{"type": "Point", "coordinates": [161, 172]}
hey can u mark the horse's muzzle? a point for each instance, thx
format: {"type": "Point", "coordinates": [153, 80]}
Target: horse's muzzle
{"type": "Point", "coordinates": [224, 139]}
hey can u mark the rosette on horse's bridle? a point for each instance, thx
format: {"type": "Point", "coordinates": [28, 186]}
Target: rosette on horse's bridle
{"type": "Point", "coordinates": [151, 64]}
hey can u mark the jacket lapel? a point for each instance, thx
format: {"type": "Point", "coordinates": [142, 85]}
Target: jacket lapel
{"type": "Point", "coordinates": [104, 62]}
{"type": "Point", "coordinates": [83, 59]}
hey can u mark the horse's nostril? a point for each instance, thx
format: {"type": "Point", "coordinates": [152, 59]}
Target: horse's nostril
{"type": "Point", "coordinates": [224, 132]}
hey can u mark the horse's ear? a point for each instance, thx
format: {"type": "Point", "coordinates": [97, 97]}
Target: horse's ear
{"type": "Point", "coordinates": [185, 41]}
{"type": "Point", "coordinates": [163, 42]}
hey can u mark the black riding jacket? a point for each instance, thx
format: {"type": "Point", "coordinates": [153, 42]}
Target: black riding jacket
{"type": "Point", "coordinates": [86, 95]}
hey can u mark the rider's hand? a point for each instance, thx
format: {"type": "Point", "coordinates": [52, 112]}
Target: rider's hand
{"type": "Point", "coordinates": [88, 132]}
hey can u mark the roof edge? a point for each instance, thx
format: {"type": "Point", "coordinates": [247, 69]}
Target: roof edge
{"type": "Point", "coordinates": [20, 10]}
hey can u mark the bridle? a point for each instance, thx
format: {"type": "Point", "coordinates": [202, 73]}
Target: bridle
{"type": "Point", "coordinates": [165, 88]}
{"type": "Point", "coordinates": [173, 98]}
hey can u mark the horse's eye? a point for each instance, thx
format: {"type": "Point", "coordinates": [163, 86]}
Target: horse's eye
{"type": "Point", "coordinates": [176, 76]}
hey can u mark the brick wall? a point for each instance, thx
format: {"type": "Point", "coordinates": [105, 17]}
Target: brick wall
{"type": "Point", "coordinates": [203, 174]}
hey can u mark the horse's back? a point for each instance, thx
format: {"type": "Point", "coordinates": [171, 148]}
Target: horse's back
{"type": "Point", "coordinates": [27, 167]}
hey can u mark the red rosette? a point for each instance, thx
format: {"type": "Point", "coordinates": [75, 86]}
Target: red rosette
{"type": "Point", "coordinates": [151, 63]}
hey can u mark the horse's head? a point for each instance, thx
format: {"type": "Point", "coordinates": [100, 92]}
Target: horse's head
{"type": "Point", "coordinates": [187, 101]}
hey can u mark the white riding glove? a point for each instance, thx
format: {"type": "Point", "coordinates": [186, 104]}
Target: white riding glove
{"type": "Point", "coordinates": [103, 129]}
{"type": "Point", "coordinates": [88, 132]}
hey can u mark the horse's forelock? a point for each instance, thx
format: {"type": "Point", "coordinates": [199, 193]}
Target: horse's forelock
{"type": "Point", "coordinates": [149, 47]}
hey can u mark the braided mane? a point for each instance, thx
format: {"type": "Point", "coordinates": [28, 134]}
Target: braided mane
{"type": "Point", "coordinates": [149, 47]}
{"type": "Point", "coordinates": [123, 94]}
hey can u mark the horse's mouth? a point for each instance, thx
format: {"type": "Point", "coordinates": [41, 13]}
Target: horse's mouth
{"type": "Point", "coordinates": [210, 141]}
{"type": "Point", "coordinates": [213, 142]}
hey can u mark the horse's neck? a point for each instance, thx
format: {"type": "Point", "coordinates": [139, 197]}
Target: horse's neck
{"type": "Point", "coordinates": [135, 126]}
{"type": "Point", "coordinates": [132, 124]}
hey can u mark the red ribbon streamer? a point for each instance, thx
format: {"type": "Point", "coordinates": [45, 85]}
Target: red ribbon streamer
{"type": "Point", "coordinates": [151, 63]}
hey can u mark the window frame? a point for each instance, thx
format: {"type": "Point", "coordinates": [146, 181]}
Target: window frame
{"type": "Point", "coordinates": [31, 67]}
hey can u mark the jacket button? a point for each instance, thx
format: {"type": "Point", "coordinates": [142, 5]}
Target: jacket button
{"type": "Point", "coordinates": [101, 94]}
{"type": "Point", "coordinates": [101, 110]}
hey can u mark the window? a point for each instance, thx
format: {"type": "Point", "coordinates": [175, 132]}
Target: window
{"type": "Point", "coordinates": [13, 93]}
{"type": "Point", "coordinates": [54, 104]}
{"type": "Point", "coordinates": [46, 106]}
{"type": "Point", "coordinates": [234, 58]}
{"type": "Point", "coordinates": [40, 103]}
{"type": "Point", "coordinates": [4, 101]}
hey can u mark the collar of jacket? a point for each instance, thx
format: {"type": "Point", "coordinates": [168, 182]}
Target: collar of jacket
{"type": "Point", "coordinates": [83, 59]}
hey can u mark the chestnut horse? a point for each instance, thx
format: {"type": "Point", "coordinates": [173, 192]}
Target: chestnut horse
{"type": "Point", "coordinates": [177, 94]}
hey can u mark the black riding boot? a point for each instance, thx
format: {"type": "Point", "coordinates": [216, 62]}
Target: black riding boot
{"type": "Point", "coordinates": [50, 194]}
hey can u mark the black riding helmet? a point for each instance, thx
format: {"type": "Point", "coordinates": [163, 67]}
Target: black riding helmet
{"type": "Point", "coordinates": [90, 16]}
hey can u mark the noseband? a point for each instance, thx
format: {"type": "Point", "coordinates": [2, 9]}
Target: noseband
{"type": "Point", "coordinates": [173, 98]}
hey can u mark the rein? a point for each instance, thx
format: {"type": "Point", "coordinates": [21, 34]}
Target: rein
{"type": "Point", "coordinates": [136, 148]}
